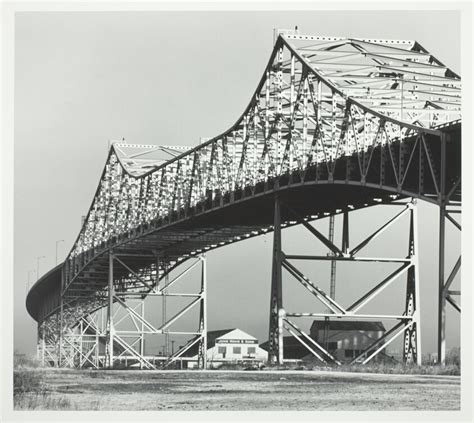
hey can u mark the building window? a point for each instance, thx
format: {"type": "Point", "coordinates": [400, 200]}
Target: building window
{"type": "Point", "coordinates": [251, 350]}
{"type": "Point", "coordinates": [332, 346]}
{"type": "Point", "coordinates": [236, 350]}
{"type": "Point", "coordinates": [221, 350]}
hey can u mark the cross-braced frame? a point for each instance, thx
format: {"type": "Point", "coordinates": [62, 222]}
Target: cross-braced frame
{"type": "Point", "coordinates": [407, 322]}
{"type": "Point", "coordinates": [113, 334]}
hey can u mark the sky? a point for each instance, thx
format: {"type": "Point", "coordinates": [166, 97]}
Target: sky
{"type": "Point", "coordinates": [169, 78]}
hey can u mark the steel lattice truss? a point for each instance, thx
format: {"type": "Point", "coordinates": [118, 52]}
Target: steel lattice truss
{"type": "Point", "coordinates": [321, 98]}
{"type": "Point", "coordinates": [378, 114]}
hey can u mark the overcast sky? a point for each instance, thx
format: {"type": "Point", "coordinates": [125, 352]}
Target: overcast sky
{"type": "Point", "coordinates": [83, 78]}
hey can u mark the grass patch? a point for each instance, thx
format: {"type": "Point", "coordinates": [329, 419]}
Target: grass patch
{"type": "Point", "coordinates": [42, 401]}
{"type": "Point", "coordinates": [452, 367]}
{"type": "Point", "coordinates": [399, 368]}
{"type": "Point", "coordinates": [30, 393]}
{"type": "Point", "coordinates": [25, 380]}
{"type": "Point", "coordinates": [21, 361]}
{"type": "Point", "coordinates": [30, 390]}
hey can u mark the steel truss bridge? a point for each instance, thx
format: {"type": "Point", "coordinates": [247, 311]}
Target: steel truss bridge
{"type": "Point", "coordinates": [335, 125]}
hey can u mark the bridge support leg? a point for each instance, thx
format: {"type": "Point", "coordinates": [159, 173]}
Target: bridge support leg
{"type": "Point", "coordinates": [441, 296]}
{"type": "Point", "coordinates": [445, 295]}
{"type": "Point", "coordinates": [142, 330]}
{"type": "Point", "coordinates": [412, 336]}
{"type": "Point", "coordinates": [60, 319]}
{"type": "Point", "coordinates": [407, 323]}
{"type": "Point", "coordinates": [163, 312]}
{"type": "Point", "coordinates": [202, 354]}
{"type": "Point", "coordinates": [110, 323]}
{"type": "Point", "coordinates": [275, 348]}
{"type": "Point", "coordinates": [46, 347]}
{"type": "Point", "coordinates": [81, 343]}
{"type": "Point", "coordinates": [40, 346]}
{"type": "Point", "coordinates": [97, 345]}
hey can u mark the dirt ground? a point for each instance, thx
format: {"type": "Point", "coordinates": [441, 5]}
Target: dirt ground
{"type": "Point", "coordinates": [251, 390]}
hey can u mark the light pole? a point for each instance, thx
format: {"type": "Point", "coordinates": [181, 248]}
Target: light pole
{"type": "Point", "coordinates": [57, 242]}
{"type": "Point", "coordinates": [37, 265]}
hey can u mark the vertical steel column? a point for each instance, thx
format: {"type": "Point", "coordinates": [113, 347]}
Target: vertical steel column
{"type": "Point", "coordinates": [202, 354]}
{"type": "Point", "coordinates": [332, 289]}
{"type": "Point", "coordinates": [412, 335]}
{"type": "Point", "coordinates": [110, 325]}
{"type": "Point", "coordinates": [332, 280]}
{"type": "Point", "coordinates": [38, 342]}
{"type": "Point", "coordinates": [163, 314]}
{"type": "Point", "coordinates": [441, 296]}
{"type": "Point", "coordinates": [95, 319]}
{"type": "Point", "coordinates": [204, 306]}
{"type": "Point", "coordinates": [275, 350]}
{"type": "Point", "coordinates": [442, 221]}
{"type": "Point", "coordinates": [416, 259]}
{"type": "Point", "coordinates": [43, 346]}
{"type": "Point", "coordinates": [345, 232]}
{"type": "Point", "coordinates": [58, 334]}
{"type": "Point", "coordinates": [142, 335]}
{"type": "Point", "coordinates": [81, 346]}
{"type": "Point", "coordinates": [163, 299]}
{"type": "Point", "coordinates": [43, 343]}
{"type": "Point", "coordinates": [103, 330]}
{"type": "Point", "coordinates": [61, 313]}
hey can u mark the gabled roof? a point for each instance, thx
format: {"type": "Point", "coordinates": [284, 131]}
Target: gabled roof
{"type": "Point", "coordinates": [212, 336]}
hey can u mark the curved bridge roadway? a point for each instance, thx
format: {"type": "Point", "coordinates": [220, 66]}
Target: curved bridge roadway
{"type": "Point", "coordinates": [334, 124]}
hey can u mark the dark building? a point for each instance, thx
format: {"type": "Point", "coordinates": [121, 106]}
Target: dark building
{"type": "Point", "coordinates": [292, 348]}
{"type": "Point", "coordinates": [346, 339]}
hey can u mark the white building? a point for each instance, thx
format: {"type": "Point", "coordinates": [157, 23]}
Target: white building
{"type": "Point", "coordinates": [230, 346]}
